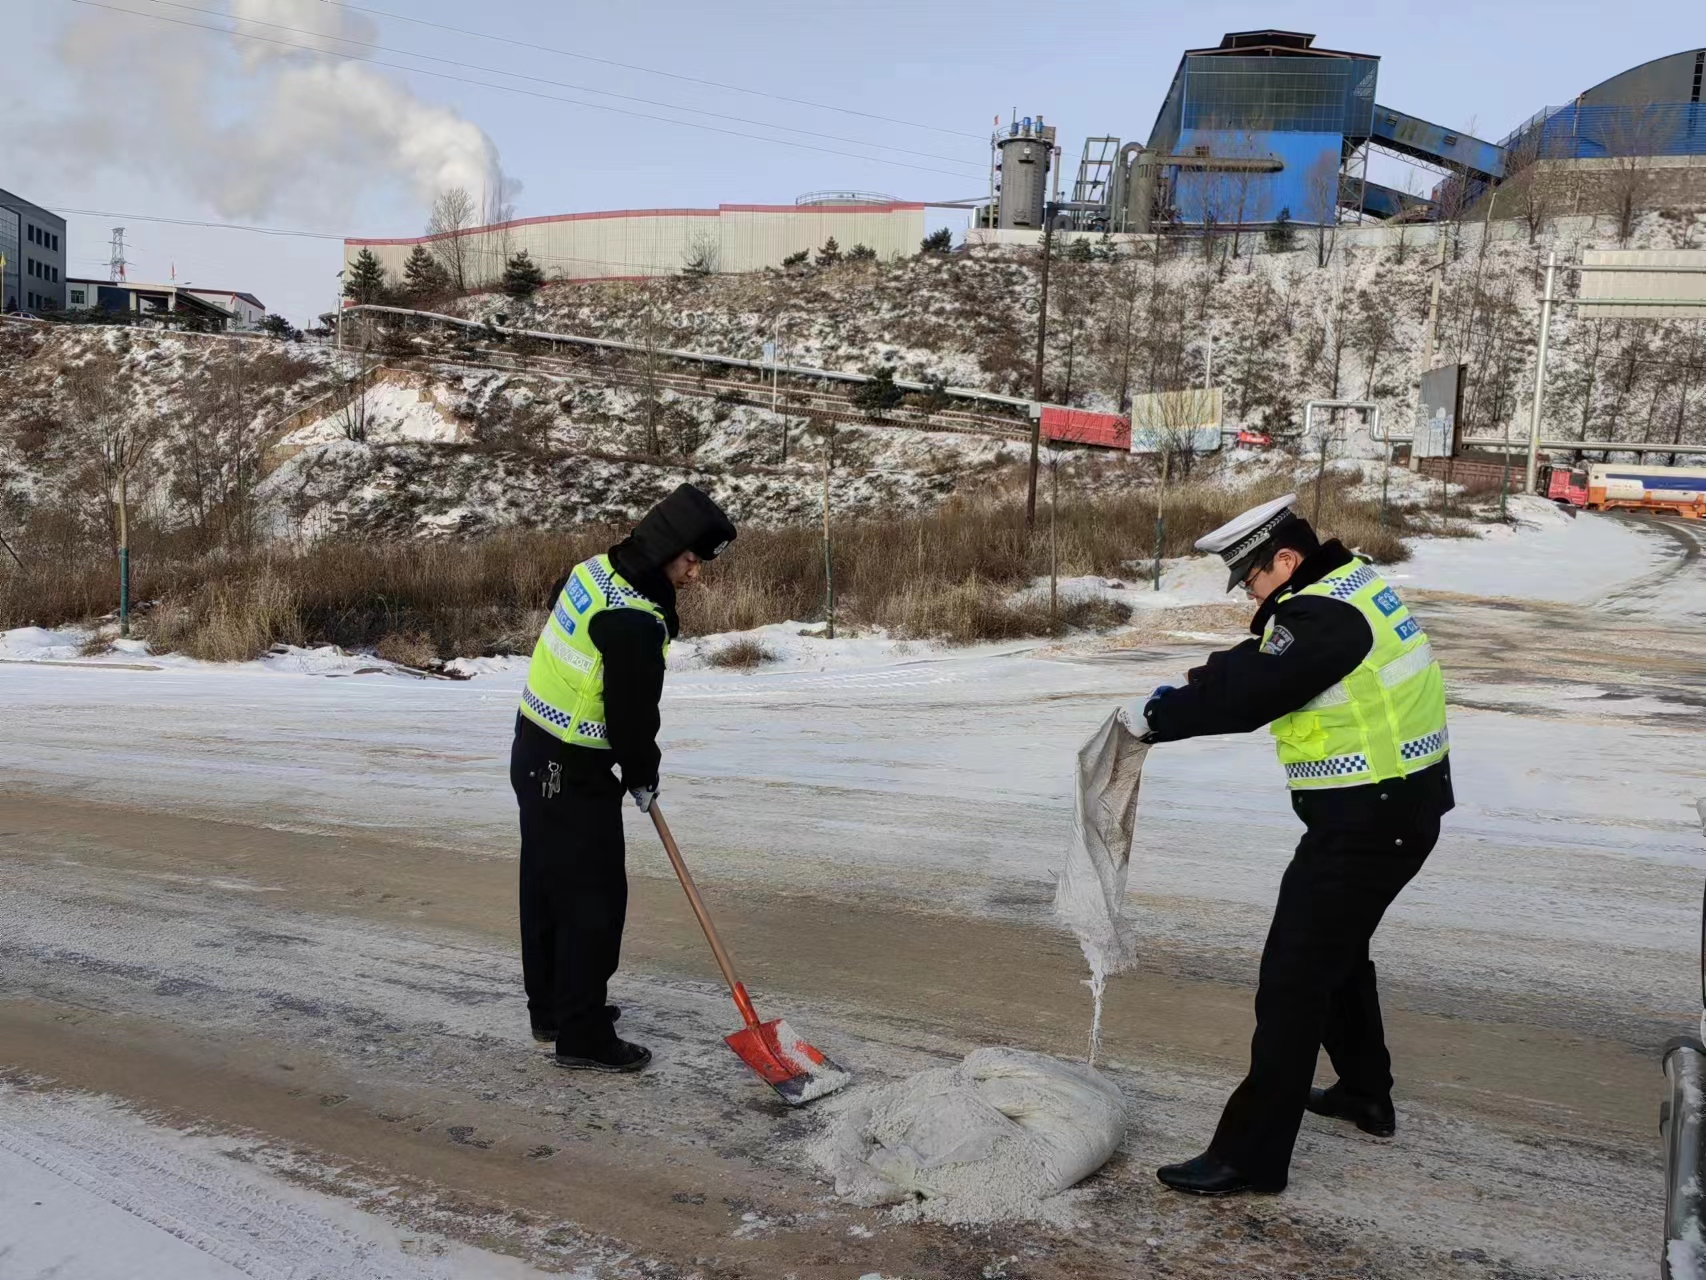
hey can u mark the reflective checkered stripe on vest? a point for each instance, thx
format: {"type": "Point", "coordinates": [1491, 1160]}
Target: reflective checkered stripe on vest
{"type": "Point", "coordinates": [565, 680]}
{"type": "Point", "coordinates": [1384, 720]}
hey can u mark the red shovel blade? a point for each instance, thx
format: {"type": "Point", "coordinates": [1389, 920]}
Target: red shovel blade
{"type": "Point", "coordinates": [794, 1068]}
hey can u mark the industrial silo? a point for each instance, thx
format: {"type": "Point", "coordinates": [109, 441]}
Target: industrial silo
{"type": "Point", "coordinates": [1025, 151]}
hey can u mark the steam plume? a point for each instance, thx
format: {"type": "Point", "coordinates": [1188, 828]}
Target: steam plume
{"type": "Point", "coordinates": [257, 128]}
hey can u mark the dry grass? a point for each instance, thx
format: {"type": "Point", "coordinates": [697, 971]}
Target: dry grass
{"type": "Point", "coordinates": [229, 620]}
{"type": "Point", "coordinates": [948, 574]}
{"type": "Point", "coordinates": [407, 649]}
{"type": "Point", "coordinates": [740, 655]}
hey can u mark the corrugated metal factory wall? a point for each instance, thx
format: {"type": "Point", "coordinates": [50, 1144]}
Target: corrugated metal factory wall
{"type": "Point", "coordinates": [654, 242]}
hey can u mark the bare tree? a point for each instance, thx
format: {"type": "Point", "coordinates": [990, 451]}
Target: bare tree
{"type": "Point", "coordinates": [1374, 333]}
{"type": "Point", "coordinates": [703, 255]}
{"type": "Point", "coordinates": [1321, 207]}
{"type": "Point", "coordinates": [1072, 299]}
{"type": "Point", "coordinates": [1327, 345]}
{"type": "Point", "coordinates": [1630, 139]}
{"type": "Point", "coordinates": [453, 216]}
{"type": "Point", "coordinates": [1128, 288]}
{"type": "Point", "coordinates": [120, 440]}
{"type": "Point", "coordinates": [1528, 187]}
{"type": "Point", "coordinates": [652, 332]}
{"type": "Point", "coordinates": [1243, 182]}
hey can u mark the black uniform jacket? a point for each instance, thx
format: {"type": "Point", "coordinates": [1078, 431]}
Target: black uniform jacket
{"type": "Point", "coordinates": [632, 644]}
{"type": "Point", "coordinates": [1316, 642]}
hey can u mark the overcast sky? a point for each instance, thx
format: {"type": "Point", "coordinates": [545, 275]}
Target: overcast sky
{"type": "Point", "coordinates": [133, 115]}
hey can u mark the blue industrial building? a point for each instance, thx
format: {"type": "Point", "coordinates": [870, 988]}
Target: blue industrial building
{"type": "Point", "coordinates": [1654, 109]}
{"type": "Point", "coordinates": [1266, 124]}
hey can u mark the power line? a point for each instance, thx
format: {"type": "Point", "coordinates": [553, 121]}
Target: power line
{"type": "Point", "coordinates": [505, 88]}
{"type": "Point", "coordinates": [650, 71]}
{"type": "Point", "coordinates": [558, 84]}
{"type": "Point", "coordinates": [196, 222]}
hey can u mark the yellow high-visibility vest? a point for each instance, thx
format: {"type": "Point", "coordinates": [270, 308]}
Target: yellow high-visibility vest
{"type": "Point", "coordinates": [565, 680]}
{"type": "Point", "coordinates": [1386, 719]}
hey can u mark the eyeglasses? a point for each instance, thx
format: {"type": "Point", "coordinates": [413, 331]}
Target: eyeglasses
{"type": "Point", "coordinates": [1250, 578]}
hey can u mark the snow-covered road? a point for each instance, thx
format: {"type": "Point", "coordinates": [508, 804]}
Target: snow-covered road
{"type": "Point", "coordinates": [258, 844]}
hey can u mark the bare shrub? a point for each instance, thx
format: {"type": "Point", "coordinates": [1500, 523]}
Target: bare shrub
{"type": "Point", "coordinates": [230, 621]}
{"type": "Point", "coordinates": [1094, 613]}
{"type": "Point", "coordinates": [407, 649]}
{"type": "Point", "coordinates": [741, 655]}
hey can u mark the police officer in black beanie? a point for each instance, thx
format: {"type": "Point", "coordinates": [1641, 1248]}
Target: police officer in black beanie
{"type": "Point", "coordinates": [587, 732]}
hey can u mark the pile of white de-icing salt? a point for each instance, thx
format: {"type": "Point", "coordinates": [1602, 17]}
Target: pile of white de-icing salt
{"type": "Point", "coordinates": [1004, 1133]}
{"type": "Point", "coordinates": [995, 1137]}
{"type": "Point", "coordinates": [1090, 894]}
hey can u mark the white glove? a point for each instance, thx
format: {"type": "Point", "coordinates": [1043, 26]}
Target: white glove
{"type": "Point", "coordinates": [1131, 713]}
{"type": "Point", "coordinates": [643, 797]}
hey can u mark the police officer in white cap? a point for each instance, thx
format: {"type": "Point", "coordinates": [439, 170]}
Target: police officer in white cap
{"type": "Point", "coordinates": [1346, 681]}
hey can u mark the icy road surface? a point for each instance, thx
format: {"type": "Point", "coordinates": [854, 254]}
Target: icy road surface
{"type": "Point", "coordinates": [278, 909]}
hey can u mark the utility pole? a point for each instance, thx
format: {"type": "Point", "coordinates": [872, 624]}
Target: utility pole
{"type": "Point", "coordinates": [1532, 474]}
{"type": "Point", "coordinates": [116, 265]}
{"type": "Point", "coordinates": [1037, 380]}
{"type": "Point", "coordinates": [1431, 341]}
{"type": "Point", "coordinates": [771, 349]}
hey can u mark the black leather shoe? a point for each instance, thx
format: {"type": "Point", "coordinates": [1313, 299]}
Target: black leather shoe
{"type": "Point", "coordinates": [1371, 1115]}
{"type": "Point", "coordinates": [1209, 1175]}
{"type": "Point", "coordinates": [618, 1056]}
{"type": "Point", "coordinates": [548, 1035]}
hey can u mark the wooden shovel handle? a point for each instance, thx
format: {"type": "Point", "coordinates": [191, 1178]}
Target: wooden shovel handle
{"type": "Point", "coordinates": [742, 1001]}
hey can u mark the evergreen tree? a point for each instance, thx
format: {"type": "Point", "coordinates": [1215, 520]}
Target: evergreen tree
{"type": "Point", "coordinates": [939, 241]}
{"type": "Point", "coordinates": [276, 326]}
{"type": "Point", "coordinates": [364, 281]}
{"type": "Point", "coordinates": [424, 278]}
{"type": "Point", "coordinates": [879, 395]}
{"type": "Point", "coordinates": [861, 253]}
{"type": "Point", "coordinates": [522, 276]}
{"type": "Point", "coordinates": [1080, 251]}
{"type": "Point", "coordinates": [830, 254]}
{"type": "Point", "coordinates": [797, 259]}
{"type": "Point", "coordinates": [1282, 235]}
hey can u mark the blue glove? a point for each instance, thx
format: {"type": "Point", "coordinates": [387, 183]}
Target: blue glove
{"type": "Point", "coordinates": [643, 796]}
{"type": "Point", "coordinates": [1135, 714]}
{"type": "Point", "coordinates": [1156, 696]}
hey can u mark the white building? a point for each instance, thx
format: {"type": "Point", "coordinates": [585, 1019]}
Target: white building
{"type": "Point", "coordinates": [631, 243]}
{"type": "Point", "coordinates": [161, 303]}
{"type": "Point", "coordinates": [246, 309]}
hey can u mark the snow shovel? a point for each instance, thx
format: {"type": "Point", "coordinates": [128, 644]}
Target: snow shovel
{"type": "Point", "coordinates": [797, 1071]}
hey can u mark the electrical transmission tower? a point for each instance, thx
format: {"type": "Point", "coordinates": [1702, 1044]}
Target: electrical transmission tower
{"type": "Point", "coordinates": [118, 264]}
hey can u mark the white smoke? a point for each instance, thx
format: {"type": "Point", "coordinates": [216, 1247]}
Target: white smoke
{"type": "Point", "coordinates": [258, 128]}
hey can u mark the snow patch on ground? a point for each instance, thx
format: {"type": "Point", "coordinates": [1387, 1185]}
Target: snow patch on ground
{"type": "Point", "coordinates": [89, 1190]}
{"type": "Point", "coordinates": [1545, 554]}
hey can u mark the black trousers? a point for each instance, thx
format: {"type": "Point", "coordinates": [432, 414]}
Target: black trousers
{"type": "Point", "coordinates": [574, 888]}
{"type": "Point", "coordinates": [1317, 986]}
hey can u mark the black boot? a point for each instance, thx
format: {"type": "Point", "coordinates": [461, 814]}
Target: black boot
{"type": "Point", "coordinates": [1209, 1175]}
{"type": "Point", "coordinates": [1371, 1115]}
{"type": "Point", "coordinates": [548, 1035]}
{"type": "Point", "coordinates": [618, 1055]}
